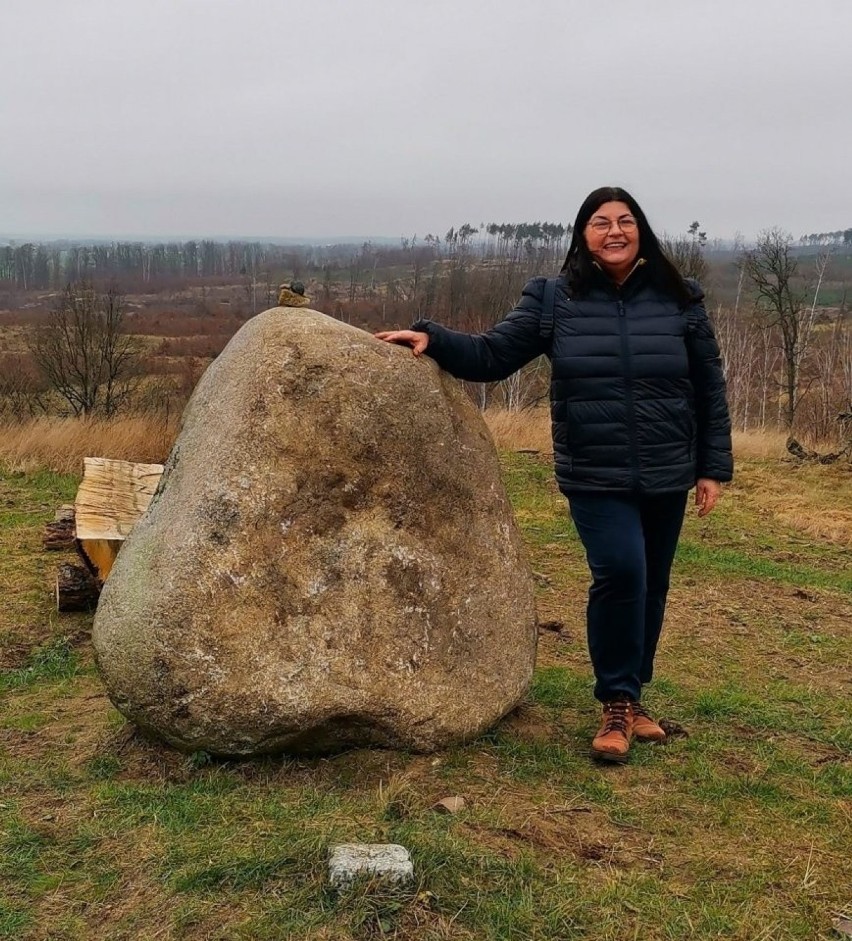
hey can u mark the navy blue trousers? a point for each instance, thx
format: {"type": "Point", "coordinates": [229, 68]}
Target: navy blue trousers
{"type": "Point", "coordinates": [630, 542]}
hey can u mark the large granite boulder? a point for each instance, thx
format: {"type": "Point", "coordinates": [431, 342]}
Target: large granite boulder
{"type": "Point", "coordinates": [330, 558]}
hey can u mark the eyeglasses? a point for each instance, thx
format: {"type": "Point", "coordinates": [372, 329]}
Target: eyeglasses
{"type": "Point", "coordinates": [601, 225]}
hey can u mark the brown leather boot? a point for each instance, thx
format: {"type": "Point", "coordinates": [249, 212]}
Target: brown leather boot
{"type": "Point", "coordinates": [644, 727]}
{"type": "Point", "coordinates": [612, 742]}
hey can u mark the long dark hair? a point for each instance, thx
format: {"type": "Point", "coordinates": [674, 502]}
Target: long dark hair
{"type": "Point", "coordinates": [580, 270]}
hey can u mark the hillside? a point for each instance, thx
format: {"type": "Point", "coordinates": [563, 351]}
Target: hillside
{"type": "Point", "coordinates": [739, 828]}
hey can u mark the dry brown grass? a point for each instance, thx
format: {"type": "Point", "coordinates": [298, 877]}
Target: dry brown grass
{"type": "Point", "coordinates": [60, 444]}
{"type": "Point", "coordinates": [513, 431]}
{"type": "Point", "coordinates": [760, 445]}
{"type": "Point", "coordinates": [813, 499]}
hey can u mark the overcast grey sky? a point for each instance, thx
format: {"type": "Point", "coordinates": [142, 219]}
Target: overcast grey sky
{"type": "Point", "coordinates": [392, 117]}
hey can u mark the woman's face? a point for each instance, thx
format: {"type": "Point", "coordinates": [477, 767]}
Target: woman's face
{"type": "Point", "coordinates": [612, 237]}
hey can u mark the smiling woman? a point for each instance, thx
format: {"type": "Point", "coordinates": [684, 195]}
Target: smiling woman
{"type": "Point", "coordinates": [612, 236]}
{"type": "Point", "coordinates": [612, 233]}
{"type": "Point", "coordinates": [639, 417]}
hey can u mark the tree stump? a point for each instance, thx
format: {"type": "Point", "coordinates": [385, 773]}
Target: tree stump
{"type": "Point", "coordinates": [76, 589]}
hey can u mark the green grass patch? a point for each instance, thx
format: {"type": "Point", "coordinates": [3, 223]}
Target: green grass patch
{"type": "Point", "coordinates": [249, 872]}
{"type": "Point", "coordinates": [103, 767]}
{"type": "Point", "coordinates": [30, 499]}
{"type": "Point", "coordinates": [175, 807]}
{"type": "Point", "coordinates": [26, 722]}
{"type": "Point", "coordinates": [835, 779]}
{"type": "Point", "coordinates": [21, 848]}
{"type": "Point", "coordinates": [557, 687]}
{"type": "Point", "coordinates": [53, 662]}
{"type": "Point", "coordinates": [13, 919]}
{"type": "Point", "coordinates": [699, 557]}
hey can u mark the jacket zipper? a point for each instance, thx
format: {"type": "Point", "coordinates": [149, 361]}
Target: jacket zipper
{"type": "Point", "coordinates": [637, 264]}
{"type": "Point", "coordinates": [628, 378]}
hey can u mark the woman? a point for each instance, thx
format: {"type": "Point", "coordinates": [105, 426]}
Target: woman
{"type": "Point", "coordinates": [639, 417]}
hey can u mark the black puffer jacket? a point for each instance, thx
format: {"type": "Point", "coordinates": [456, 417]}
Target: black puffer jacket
{"type": "Point", "coordinates": [637, 390]}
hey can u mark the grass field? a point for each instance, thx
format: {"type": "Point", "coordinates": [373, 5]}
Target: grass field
{"type": "Point", "coordinates": [739, 830]}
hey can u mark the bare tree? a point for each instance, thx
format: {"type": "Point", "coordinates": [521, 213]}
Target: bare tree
{"type": "Point", "coordinates": [686, 252]}
{"type": "Point", "coordinates": [355, 270]}
{"type": "Point", "coordinates": [739, 339]}
{"type": "Point", "coordinates": [830, 399]}
{"type": "Point", "coordinates": [23, 391]}
{"type": "Point", "coordinates": [526, 387]}
{"type": "Point", "coordinates": [773, 270]}
{"type": "Point", "coordinates": [84, 352]}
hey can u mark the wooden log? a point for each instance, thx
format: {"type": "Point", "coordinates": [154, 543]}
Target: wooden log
{"type": "Point", "coordinates": [76, 590]}
{"type": "Point", "coordinates": [111, 498]}
{"type": "Point", "coordinates": [98, 555]}
{"type": "Point", "coordinates": [59, 534]}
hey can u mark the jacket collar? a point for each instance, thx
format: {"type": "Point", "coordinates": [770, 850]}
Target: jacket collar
{"type": "Point", "coordinates": [636, 277]}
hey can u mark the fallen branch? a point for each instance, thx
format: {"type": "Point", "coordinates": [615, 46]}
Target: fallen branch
{"type": "Point", "coordinates": [805, 454]}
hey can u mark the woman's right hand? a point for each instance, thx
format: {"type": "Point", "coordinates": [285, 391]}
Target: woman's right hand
{"type": "Point", "coordinates": [414, 338]}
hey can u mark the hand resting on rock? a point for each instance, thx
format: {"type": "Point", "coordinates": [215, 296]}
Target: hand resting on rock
{"type": "Point", "coordinates": [414, 338]}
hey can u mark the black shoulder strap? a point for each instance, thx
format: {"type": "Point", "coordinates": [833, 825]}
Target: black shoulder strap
{"type": "Point", "coordinates": [547, 305]}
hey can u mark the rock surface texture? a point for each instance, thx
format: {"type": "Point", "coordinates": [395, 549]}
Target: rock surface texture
{"type": "Point", "coordinates": [389, 862]}
{"type": "Point", "coordinates": [330, 559]}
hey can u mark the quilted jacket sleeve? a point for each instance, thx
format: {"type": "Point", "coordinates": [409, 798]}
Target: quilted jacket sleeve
{"type": "Point", "coordinates": [714, 456]}
{"type": "Point", "coordinates": [497, 353]}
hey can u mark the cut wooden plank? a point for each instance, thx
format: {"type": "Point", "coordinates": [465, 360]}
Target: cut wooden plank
{"type": "Point", "coordinates": [112, 497]}
{"type": "Point", "coordinates": [76, 590]}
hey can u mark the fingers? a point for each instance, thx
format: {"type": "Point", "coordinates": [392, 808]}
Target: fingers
{"type": "Point", "coordinates": [396, 336]}
{"type": "Point", "coordinates": [414, 338]}
{"type": "Point", "coordinates": [707, 493]}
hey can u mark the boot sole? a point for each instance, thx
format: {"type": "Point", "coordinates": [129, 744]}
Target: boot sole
{"type": "Point", "coordinates": [648, 738]}
{"type": "Point", "coordinates": [609, 756]}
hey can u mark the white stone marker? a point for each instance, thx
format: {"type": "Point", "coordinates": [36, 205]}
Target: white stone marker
{"type": "Point", "coordinates": [388, 861]}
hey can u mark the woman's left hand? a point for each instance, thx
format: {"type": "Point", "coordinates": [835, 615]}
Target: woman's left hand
{"type": "Point", "coordinates": [707, 492]}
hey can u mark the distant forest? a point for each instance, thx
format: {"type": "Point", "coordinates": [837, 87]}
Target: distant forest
{"type": "Point", "coordinates": [779, 307]}
{"type": "Point", "coordinates": [51, 265]}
